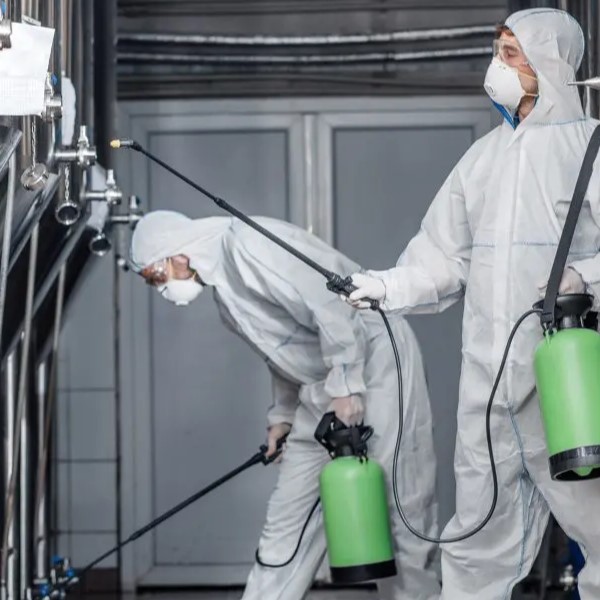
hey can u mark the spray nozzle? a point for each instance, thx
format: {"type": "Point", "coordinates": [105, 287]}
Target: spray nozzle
{"type": "Point", "coordinates": [341, 440]}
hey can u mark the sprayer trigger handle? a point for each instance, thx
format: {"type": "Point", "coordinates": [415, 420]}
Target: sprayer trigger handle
{"type": "Point", "coordinates": [267, 460]}
{"type": "Point", "coordinates": [337, 285]}
{"type": "Point", "coordinates": [348, 287]}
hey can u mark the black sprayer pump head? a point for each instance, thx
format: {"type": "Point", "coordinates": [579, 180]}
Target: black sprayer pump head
{"type": "Point", "coordinates": [570, 310]}
{"type": "Point", "coordinates": [339, 439]}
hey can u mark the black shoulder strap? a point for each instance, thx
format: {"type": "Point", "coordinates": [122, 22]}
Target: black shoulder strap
{"type": "Point", "coordinates": [564, 245]}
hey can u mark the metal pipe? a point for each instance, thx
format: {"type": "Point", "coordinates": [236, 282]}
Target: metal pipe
{"type": "Point", "coordinates": [24, 157]}
{"type": "Point", "coordinates": [76, 45]}
{"type": "Point", "coordinates": [310, 40]}
{"type": "Point", "coordinates": [59, 70]}
{"type": "Point", "coordinates": [16, 10]}
{"type": "Point", "coordinates": [41, 531]}
{"type": "Point", "coordinates": [25, 470]}
{"type": "Point", "coordinates": [47, 386]}
{"type": "Point", "coordinates": [201, 75]}
{"type": "Point", "coordinates": [142, 8]}
{"type": "Point", "coordinates": [10, 504]}
{"type": "Point", "coordinates": [23, 420]}
{"type": "Point", "coordinates": [117, 423]}
{"type": "Point", "coordinates": [31, 8]}
{"type": "Point", "coordinates": [87, 62]}
{"type": "Point", "coordinates": [593, 14]}
{"type": "Point", "coordinates": [65, 38]}
{"type": "Point", "coordinates": [10, 576]}
{"type": "Point", "coordinates": [389, 57]}
{"type": "Point", "coordinates": [105, 72]}
{"type": "Point", "coordinates": [50, 17]}
{"type": "Point", "coordinates": [61, 259]}
{"type": "Point", "coordinates": [28, 8]}
{"type": "Point", "coordinates": [6, 238]}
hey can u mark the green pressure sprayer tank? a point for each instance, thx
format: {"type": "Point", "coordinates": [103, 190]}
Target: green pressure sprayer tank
{"type": "Point", "coordinates": [355, 505]}
{"type": "Point", "coordinates": [567, 371]}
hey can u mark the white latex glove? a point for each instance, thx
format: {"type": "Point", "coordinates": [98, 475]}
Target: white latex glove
{"type": "Point", "coordinates": [368, 287]}
{"type": "Point", "coordinates": [348, 409]}
{"type": "Point", "coordinates": [275, 433]}
{"type": "Point", "coordinates": [571, 283]}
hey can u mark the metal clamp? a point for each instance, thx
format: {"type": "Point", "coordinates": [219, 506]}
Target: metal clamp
{"type": "Point", "coordinates": [134, 214]}
{"type": "Point", "coordinates": [101, 244]}
{"type": "Point", "coordinates": [84, 154]}
{"type": "Point", "coordinates": [131, 218]}
{"type": "Point", "coordinates": [5, 32]}
{"type": "Point", "coordinates": [111, 194]}
{"type": "Point", "coordinates": [52, 110]}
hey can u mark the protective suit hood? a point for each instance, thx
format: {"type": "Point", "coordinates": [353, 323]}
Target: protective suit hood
{"type": "Point", "coordinates": [553, 43]}
{"type": "Point", "coordinates": [164, 233]}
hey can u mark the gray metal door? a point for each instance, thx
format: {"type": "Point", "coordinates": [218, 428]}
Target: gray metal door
{"type": "Point", "coordinates": [202, 407]}
{"type": "Point", "coordinates": [210, 392]}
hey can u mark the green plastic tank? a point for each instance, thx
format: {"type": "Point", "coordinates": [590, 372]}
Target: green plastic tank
{"type": "Point", "coordinates": [567, 371]}
{"type": "Point", "coordinates": [355, 506]}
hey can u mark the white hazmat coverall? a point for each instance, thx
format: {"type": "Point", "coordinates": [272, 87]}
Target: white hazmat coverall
{"type": "Point", "coordinates": [317, 349]}
{"type": "Point", "coordinates": [490, 236]}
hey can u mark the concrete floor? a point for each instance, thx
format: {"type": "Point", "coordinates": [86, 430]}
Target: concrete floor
{"type": "Point", "coordinates": [314, 595]}
{"type": "Point", "coordinates": [236, 595]}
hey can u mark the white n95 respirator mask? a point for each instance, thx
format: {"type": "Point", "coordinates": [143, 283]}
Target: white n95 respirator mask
{"type": "Point", "coordinates": [181, 291]}
{"type": "Point", "coordinates": [502, 84]}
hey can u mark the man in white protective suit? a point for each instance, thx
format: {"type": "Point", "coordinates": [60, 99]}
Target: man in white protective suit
{"type": "Point", "coordinates": [490, 236]}
{"type": "Point", "coordinates": [323, 356]}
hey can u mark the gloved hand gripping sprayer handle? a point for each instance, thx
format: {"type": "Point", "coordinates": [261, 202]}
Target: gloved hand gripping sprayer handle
{"type": "Point", "coordinates": [335, 283]}
{"type": "Point", "coordinates": [344, 286]}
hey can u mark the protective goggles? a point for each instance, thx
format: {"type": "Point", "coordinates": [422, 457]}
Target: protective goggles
{"type": "Point", "coordinates": [157, 274]}
{"type": "Point", "coordinates": [509, 53]}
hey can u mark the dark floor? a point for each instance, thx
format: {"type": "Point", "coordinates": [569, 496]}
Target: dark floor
{"type": "Point", "coordinates": [315, 595]}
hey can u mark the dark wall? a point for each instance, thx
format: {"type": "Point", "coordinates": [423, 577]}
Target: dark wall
{"type": "Point", "coordinates": [151, 70]}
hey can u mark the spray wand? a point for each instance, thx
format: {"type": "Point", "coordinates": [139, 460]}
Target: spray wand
{"type": "Point", "coordinates": [344, 286]}
{"type": "Point", "coordinates": [335, 283]}
{"type": "Point", "coordinates": [57, 589]}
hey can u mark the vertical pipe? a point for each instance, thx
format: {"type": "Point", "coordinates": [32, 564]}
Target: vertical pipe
{"type": "Point", "coordinates": [8, 564]}
{"type": "Point", "coordinates": [10, 584]}
{"type": "Point", "coordinates": [593, 14]}
{"type": "Point", "coordinates": [29, 8]}
{"type": "Point", "coordinates": [16, 9]}
{"type": "Point", "coordinates": [25, 520]}
{"type": "Point", "coordinates": [584, 21]}
{"type": "Point", "coordinates": [47, 400]}
{"type": "Point", "coordinates": [66, 55]}
{"type": "Point", "coordinates": [41, 528]}
{"type": "Point", "coordinates": [87, 7]}
{"type": "Point", "coordinates": [58, 64]}
{"type": "Point", "coordinates": [105, 77]}
{"type": "Point", "coordinates": [76, 47]}
{"type": "Point", "coordinates": [48, 131]}
{"type": "Point", "coordinates": [117, 375]}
